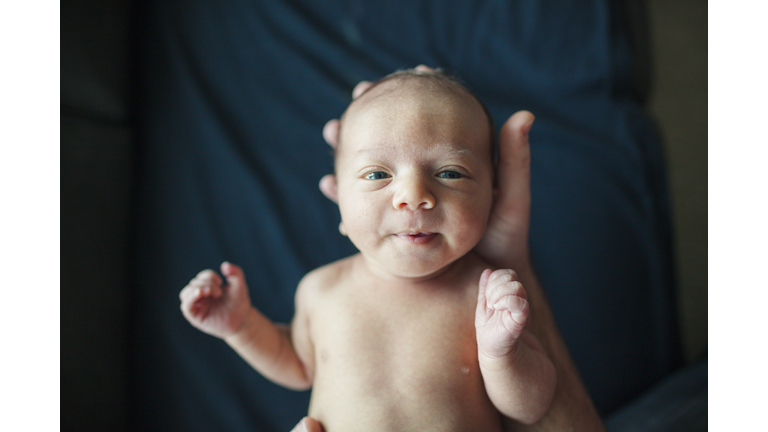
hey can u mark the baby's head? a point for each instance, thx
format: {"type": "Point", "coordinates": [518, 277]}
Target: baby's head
{"type": "Point", "coordinates": [414, 168]}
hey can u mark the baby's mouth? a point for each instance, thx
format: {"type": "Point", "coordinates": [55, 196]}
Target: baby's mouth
{"type": "Point", "coordinates": [419, 237]}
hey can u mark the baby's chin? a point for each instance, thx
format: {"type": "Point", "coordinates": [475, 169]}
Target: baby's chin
{"type": "Point", "coordinates": [413, 269]}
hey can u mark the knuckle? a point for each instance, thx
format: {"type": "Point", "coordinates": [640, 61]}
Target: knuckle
{"type": "Point", "coordinates": [499, 276]}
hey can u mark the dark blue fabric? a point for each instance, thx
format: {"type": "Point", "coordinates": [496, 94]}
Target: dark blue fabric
{"type": "Point", "coordinates": [231, 100]}
{"type": "Point", "coordinates": [679, 403]}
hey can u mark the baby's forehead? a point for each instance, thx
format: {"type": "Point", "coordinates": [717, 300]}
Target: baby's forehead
{"type": "Point", "coordinates": [415, 98]}
{"type": "Point", "coordinates": [437, 103]}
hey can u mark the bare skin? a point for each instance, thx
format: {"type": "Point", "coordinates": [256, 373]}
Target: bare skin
{"type": "Point", "coordinates": [505, 245]}
{"type": "Point", "coordinates": [413, 333]}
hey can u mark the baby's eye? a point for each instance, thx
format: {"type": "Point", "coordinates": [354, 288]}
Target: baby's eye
{"type": "Point", "coordinates": [450, 175]}
{"type": "Point", "coordinates": [376, 175]}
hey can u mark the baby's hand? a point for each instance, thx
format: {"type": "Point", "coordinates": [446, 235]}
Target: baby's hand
{"type": "Point", "coordinates": [502, 311]}
{"type": "Point", "coordinates": [215, 309]}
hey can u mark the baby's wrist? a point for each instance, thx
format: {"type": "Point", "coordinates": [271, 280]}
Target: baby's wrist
{"type": "Point", "coordinates": [246, 329]}
{"type": "Point", "coordinates": [497, 363]}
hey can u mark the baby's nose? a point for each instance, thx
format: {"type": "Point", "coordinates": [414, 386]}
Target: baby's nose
{"type": "Point", "coordinates": [413, 194]}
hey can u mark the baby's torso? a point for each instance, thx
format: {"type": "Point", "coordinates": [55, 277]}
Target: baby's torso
{"type": "Point", "coordinates": [395, 358]}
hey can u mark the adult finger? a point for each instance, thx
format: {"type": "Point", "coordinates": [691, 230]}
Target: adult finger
{"type": "Point", "coordinates": [505, 243]}
{"type": "Point", "coordinates": [331, 128]}
{"type": "Point", "coordinates": [328, 187]}
{"type": "Point", "coordinates": [514, 172]}
{"type": "Point", "coordinates": [360, 88]}
{"type": "Point", "coordinates": [331, 132]}
{"type": "Point", "coordinates": [308, 424]}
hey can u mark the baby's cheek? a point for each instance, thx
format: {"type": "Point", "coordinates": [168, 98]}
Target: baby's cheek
{"type": "Point", "coordinates": [361, 222]}
{"type": "Point", "coordinates": [470, 228]}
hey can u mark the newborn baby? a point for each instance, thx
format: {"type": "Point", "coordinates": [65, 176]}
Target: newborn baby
{"type": "Point", "coordinates": [414, 332]}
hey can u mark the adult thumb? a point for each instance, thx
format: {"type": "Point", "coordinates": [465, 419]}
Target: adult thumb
{"type": "Point", "coordinates": [308, 424]}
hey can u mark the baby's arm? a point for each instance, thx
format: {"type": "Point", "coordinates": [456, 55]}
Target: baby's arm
{"type": "Point", "coordinates": [519, 377]}
{"type": "Point", "coordinates": [226, 312]}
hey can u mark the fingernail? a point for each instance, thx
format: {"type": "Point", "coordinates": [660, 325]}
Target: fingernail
{"type": "Point", "coordinates": [527, 128]}
{"type": "Point", "coordinates": [523, 302]}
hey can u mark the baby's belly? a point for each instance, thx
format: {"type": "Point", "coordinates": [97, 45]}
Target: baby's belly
{"type": "Point", "coordinates": [417, 378]}
{"type": "Point", "coordinates": [412, 400]}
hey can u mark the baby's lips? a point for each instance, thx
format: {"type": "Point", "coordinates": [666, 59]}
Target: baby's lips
{"type": "Point", "coordinates": [414, 233]}
{"type": "Point", "coordinates": [417, 237]}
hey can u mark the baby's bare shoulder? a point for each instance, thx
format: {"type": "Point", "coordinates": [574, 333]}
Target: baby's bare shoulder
{"type": "Point", "coordinates": [321, 281]}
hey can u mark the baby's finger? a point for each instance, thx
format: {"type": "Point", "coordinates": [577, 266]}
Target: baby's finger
{"type": "Point", "coordinates": [514, 321]}
{"type": "Point", "coordinates": [501, 283]}
{"type": "Point", "coordinates": [208, 276]}
{"type": "Point", "coordinates": [512, 303]}
{"type": "Point", "coordinates": [502, 275]}
{"type": "Point", "coordinates": [497, 292]}
{"type": "Point", "coordinates": [189, 303]}
{"type": "Point", "coordinates": [483, 287]}
{"type": "Point", "coordinates": [214, 290]}
{"type": "Point", "coordinates": [190, 293]}
{"type": "Point", "coordinates": [482, 312]}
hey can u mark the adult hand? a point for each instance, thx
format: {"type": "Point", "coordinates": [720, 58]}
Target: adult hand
{"type": "Point", "coordinates": [308, 424]}
{"type": "Point", "coordinates": [505, 243]}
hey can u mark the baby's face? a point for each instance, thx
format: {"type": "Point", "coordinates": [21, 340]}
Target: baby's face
{"type": "Point", "coordinates": [415, 176]}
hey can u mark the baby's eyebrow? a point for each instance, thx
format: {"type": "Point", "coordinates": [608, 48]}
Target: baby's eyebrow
{"type": "Point", "coordinates": [379, 151]}
{"type": "Point", "coordinates": [450, 149]}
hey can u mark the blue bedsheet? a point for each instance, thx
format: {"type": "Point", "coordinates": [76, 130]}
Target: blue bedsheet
{"type": "Point", "coordinates": [231, 100]}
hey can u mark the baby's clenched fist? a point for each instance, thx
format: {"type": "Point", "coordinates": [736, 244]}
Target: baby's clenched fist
{"type": "Point", "coordinates": [502, 311]}
{"type": "Point", "coordinates": [214, 308]}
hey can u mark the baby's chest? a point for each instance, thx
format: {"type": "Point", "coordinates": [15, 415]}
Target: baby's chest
{"type": "Point", "coordinates": [416, 344]}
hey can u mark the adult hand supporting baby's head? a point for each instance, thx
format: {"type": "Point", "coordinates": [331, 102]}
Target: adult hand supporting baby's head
{"type": "Point", "coordinates": [505, 243]}
{"type": "Point", "coordinates": [331, 135]}
{"type": "Point", "coordinates": [308, 424]}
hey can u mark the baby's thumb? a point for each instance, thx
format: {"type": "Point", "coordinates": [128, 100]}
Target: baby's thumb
{"type": "Point", "coordinates": [483, 284]}
{"type": "Point", "coordinates": [234, 275]}
{"type": "Point", "coordinates": [482, 308]}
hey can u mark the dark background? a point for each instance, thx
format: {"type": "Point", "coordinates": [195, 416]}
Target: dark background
{"type": "Point", "coordinates": [97, 184]}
